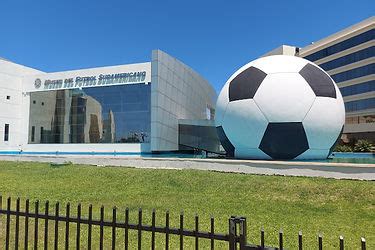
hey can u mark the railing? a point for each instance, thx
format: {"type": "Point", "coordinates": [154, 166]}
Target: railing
{"type": "Point", "coordinates": [235, 238]}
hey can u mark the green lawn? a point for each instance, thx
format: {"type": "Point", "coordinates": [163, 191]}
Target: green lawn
{"type": "Point", "coordinates": [332, 207]}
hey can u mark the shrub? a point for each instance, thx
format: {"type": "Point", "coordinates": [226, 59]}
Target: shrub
{"type": "Point", "coordinates": [362, 146]}
{"type": "Point", "coordinates": [343, 148]}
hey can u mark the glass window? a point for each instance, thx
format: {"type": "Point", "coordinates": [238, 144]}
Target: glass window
{"type": "Point", "coordinates": [6, 132]}
{"type": "Point", "coordinates": [41, 134]}
{"type": "Point", "coordinates": [109, 114]}
{"type": "Point", "coordinates": [32, 133]}
{"type": "Point", "coordinates": [346, 44]}
{"type": "Point", "coordinates": [358, 88]}
{"type": "Point", "coordinates": [360, 105]}
{"type": "Point", "coordinates": [348, 59]}
{"type": "Point", "coordinates": [354, 73]}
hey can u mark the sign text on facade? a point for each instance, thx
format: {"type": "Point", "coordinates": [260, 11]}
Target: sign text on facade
{"type": "Point", "coordinates": [102, 79]}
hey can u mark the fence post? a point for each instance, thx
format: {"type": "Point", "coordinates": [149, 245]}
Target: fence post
{"type": "Point", "coordinates": [243, 232]}
{"type": "Point", "coordinates": [233, 237]}
{"type": "Point", "coordinates": [232, 233]}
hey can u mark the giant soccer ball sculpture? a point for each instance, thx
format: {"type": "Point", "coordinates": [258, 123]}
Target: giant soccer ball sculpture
{"type": "Point", "coordinates": [279, 107]}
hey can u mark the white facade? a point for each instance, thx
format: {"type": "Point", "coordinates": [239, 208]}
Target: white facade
{"type": "Point", "coordinates": [177, 92]}
{"type": "Point", "coordinates": [14, 104]}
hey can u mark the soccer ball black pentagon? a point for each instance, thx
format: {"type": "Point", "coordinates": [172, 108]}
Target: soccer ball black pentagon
{"type": "Point", "coordinates": [279, 107]}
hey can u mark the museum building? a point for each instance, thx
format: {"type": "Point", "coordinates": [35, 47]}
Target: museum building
{"type": "Point", "coordinates": [156, 106]}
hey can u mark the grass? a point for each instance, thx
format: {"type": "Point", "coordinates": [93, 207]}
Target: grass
{"type": "Point", "coordinates": [313, 205]}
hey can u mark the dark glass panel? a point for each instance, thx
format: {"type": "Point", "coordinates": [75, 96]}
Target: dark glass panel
{"type": "Point", "coordinates": [346, 44]}
{"type": "Point", "coordinates": [354, 73]}
{"type": "Point", "coordinates": [348, 59]}
{"type": "Point", "coordinates": [358, 88]}
{"type": "Point", "coordinates": [6, 132]}
{"type": "Point", "coordinates": [360, 105]}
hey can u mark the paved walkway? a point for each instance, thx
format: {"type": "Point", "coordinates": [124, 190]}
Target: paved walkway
{"type": "Point", "coordinates": [311, 169]}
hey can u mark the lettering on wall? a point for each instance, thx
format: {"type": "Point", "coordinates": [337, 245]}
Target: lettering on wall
{"type": "Point", "coordinates": [89, 81]}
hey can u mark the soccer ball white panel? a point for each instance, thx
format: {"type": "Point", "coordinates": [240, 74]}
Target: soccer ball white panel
{"type": "Point", "coordinates": [221, 105]}
{"type": "Point", "coordinates": [324, 122]}
{"type": "Point", "coordinates": [280, 64]}
{"type": "Point", "coordinates": [244, 124]}
{"type": "Point", "coordinates": [284, 97]}
{"type": "Point", "coordinates": [253, 153]}
{"type": "Point", "coordinates": [313, 154]}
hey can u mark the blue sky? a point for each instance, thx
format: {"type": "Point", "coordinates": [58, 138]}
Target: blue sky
{"type": "Point", "coordinates": [213, 37]}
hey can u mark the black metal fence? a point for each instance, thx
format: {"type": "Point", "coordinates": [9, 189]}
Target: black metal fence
{"type": "Point", "coordinates": [235, 238]}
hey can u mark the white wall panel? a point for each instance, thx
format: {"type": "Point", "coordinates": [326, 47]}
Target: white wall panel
{"type": "Point", "coordinates": [15, 110]}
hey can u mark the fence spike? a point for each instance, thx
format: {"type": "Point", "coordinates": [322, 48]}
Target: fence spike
{"type": "Point", "coordinates": [196, 231]}
{"type": "Point", "coordinates": [320, 241]}
{"type": "Point", "coordinates": [26, 239]}
{"type": "Point", "coordinates": [67, 215]}
{"type": "Point", "coordinates": [153, 229]}
{"type": "Point", "coordinates": [262, 237]}
{"type": "Point", "coordinates": [181, 230]}
{"type": "Point", "coordinates": [46, 208]}
{"type": "Point", "coordinates": [126, 229]}
{"type": "Point", "coordinates": [281, 239]}
{"type": "Point", "coordinates": [341, 242]}
{"type": "Point", "coordinates": [114, 210]}
{"type": "Point", "coordinates": [57, 211]}
{"type": "Point", "coordinates": [101, 227]}
{"type": "Point", "coordinates": [17, 223]}
{"type": "Point", "coordinates": [89, 228]}
{"type": "Point", "coordinates": [78, 232]}
{"type": "Point", "coordinates": [212, 232]}
{"type": "Point", "coordinates": [7, 233]}
{"type": "Point", "coordinates": [167, 230]}
{"type": "Point", "coordinates": [363, 243]}
{"type": "Point", "coordinates": [140, 228]}
{"type": "Point", "coordinates": [36, 224]}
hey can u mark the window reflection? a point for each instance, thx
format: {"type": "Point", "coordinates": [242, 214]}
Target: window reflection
{"type": "Point", "coordinates": [111, 114]}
